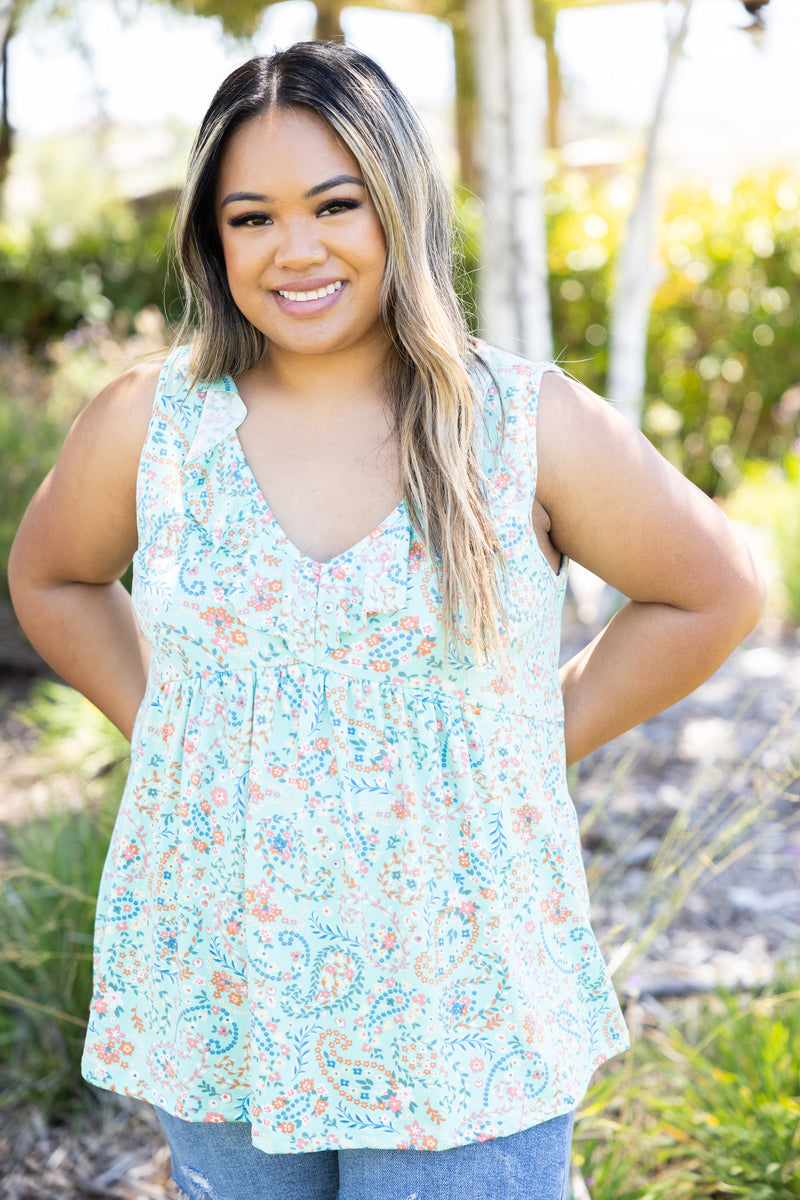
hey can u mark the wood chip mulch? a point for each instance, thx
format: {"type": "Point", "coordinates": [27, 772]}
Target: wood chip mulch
{"type": "Point", "coordinates": [110, 1153]}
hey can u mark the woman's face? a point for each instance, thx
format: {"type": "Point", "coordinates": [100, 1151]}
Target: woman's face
{"type": "Point", "coordinates": [304, 250]}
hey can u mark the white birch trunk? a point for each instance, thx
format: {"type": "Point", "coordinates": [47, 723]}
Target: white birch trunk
{"type": "Point", "coordinates": [509, 71]}
{"type": "Point", "coordinates": [6, 13]}
{"type": "Point", "coordinates": [638, 271]}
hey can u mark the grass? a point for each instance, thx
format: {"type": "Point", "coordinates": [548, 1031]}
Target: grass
{"type": "Point", "coordinates": [704, 1109]}
{"type": "Point", "coordinates": [716, 826]}
{"type": "Point", "coordinates": [736, 1115]}
{"type": "Point", "coordinates": [46, 955]}
{"type": "Point", "coordinates": [47, 907]}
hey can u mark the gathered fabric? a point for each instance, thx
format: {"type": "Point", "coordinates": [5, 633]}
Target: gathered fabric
{"type": "Point", "coordinates": [344, 899]}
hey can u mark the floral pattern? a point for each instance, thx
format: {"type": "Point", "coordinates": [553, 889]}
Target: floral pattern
{"type": "Point", "coordinates": [344, 899]}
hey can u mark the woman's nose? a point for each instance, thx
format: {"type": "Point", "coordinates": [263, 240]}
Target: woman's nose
{"type": "Point", "coordinates": [299, 245]}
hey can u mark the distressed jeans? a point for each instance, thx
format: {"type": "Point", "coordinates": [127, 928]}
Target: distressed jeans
{"type": "Point", "coordinates": [217, 1161]}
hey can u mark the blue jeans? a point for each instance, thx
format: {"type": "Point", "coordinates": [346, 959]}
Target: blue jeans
{"type": "Point", "coordinates": [219, 1162]}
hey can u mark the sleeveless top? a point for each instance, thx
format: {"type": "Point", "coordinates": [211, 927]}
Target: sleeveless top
{"type": "Point", "coordinates": [344, 899]}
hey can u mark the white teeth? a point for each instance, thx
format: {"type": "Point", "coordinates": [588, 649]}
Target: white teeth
{"type": "Point", "coordinates": [326, 291]}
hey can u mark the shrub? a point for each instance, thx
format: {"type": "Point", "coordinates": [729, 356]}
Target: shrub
{"type": "Point", "coordinates": [585, 220]}
{"type": "Point", "coordinates": [724, 338]}
{"type": "Point", "coordinates": [102, 275]}
{"type": "Point", "coordinates": [724, 335]}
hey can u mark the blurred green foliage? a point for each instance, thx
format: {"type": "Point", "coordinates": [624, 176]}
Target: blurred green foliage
{"type": "Point", "coordinates": [724, 336]}
{"type": "Point", "coordinates": [77, 305]}
{"type": "Point", "coordinates": [724, 340]}
{"type": "Point", "coordinates": [769, 498]}
{"type": "Point", "coordinates": [723, 377]}
{"type": "Point", "coordinates": [466, 254]}
{"type": "Point", "coordinates": [585, 222]}
{"type": "Point", "coordinates": [102, 274]}
{"type": "Point", "coordinates": [30, 437]}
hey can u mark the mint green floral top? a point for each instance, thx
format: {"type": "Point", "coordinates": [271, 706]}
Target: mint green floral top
{"type": "Point", "coordinates": [344, 899]}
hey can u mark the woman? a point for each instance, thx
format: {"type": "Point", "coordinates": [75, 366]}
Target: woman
{"type": "Point", "coordinates": [344, 909]}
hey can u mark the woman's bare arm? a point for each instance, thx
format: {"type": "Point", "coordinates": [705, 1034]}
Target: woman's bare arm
{"type": "Point", "coordinates": [76, 540]}
{"type": "Point", "coordinates": [618, 508]}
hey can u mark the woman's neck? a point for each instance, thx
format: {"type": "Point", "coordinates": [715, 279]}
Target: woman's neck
{"type": "Point", "coordinates": [351, 375]}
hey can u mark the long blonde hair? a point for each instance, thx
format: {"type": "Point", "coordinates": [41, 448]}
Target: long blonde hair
{"type": "Point", "coordinates": [429, 377]}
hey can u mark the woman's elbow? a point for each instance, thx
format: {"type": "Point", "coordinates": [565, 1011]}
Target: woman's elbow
{"type": "Point", "coordinates": [742, 598]}
{"type": "Point", "coordinates": [20, 570]}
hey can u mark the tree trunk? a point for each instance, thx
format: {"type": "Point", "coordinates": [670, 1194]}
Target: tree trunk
{"type": "Point", "coordinates": [545, 16]}
{"type": "Point", "coordinates": [638, 272]}
{"type": "Point", "coordinates": [6, 137]}
{"type": "Point", "coordinates": [513, 280]}
{"type": "Point", "coordinates": [328, 27]}
{"type": "Point", "coordinates": [466, 107]}
{"type": "Point", "coordinates": [555, 91]}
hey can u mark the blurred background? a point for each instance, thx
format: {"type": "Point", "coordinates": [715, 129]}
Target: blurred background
{"type": "Point", "coordinates": [627, 177]}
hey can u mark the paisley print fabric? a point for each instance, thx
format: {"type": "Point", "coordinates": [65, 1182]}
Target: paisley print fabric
{"type": "Point", "coordinates": [344, 899]}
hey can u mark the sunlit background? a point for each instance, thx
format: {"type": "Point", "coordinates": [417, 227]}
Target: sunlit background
{"type": "Point", "coordinates": [151, 71]}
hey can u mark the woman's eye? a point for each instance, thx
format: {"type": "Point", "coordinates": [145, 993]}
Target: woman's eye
{"type": "Point", "coordinates": [332, 207]}
{"type": "Point", "coordinates": [249, 219]}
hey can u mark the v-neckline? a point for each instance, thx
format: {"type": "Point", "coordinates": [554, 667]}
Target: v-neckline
{"type": "Point", "coordinates": [281, 537]}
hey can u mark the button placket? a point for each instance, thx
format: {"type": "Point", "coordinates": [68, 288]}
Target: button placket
{"type": "Point", "coordinates": [338, 582]}
{"type": "Point", "coordinates": [297, 619]}
{"type": "Point", "coordinates": [317, 569]}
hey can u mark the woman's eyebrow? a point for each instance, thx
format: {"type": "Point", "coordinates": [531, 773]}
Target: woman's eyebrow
{"type": "Point", "coordinates": [331, 183]}
{"type": "Point", "coordinates": [314, 191]}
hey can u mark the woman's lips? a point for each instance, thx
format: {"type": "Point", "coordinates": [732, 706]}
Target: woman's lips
{"type": "Point", "coordinates": [325, 295]}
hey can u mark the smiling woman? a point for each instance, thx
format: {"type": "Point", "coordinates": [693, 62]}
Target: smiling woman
{"type": "Point", "coordinates": [301, 240]}
{"type": "Point", "coordinates": [343, 939]}
{"type": "Point", "coordinates": [407, 383]}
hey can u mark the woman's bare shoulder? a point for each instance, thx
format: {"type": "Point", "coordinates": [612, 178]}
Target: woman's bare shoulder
{"type": "Point", "coordinates": [129, 398]}
{"type": "Point", "coordinates": [113, 426]}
